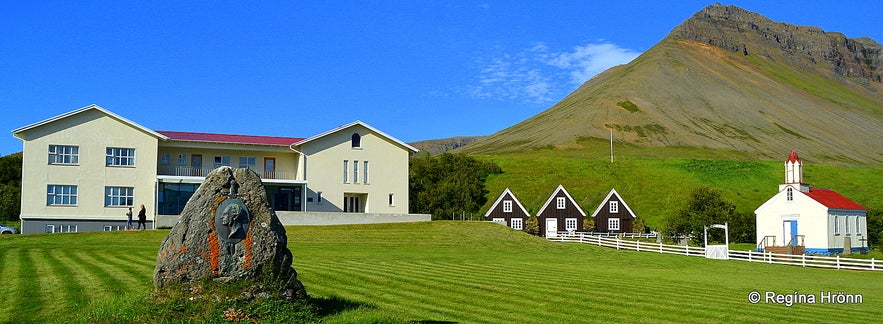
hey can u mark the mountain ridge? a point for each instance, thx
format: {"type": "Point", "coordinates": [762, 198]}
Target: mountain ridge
{"type": "Point", "coordinates": [727, 79]}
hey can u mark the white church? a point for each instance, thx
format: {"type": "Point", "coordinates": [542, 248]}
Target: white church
{"type": "Point", "coordinates": [800, 219]}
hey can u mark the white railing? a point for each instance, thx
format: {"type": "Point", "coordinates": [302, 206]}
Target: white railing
{"type": "Point", "coordinates": [611, 234]}
{"type": "Point", "coordinates": [803, 260]}
{"type": "Point", "coordinates": [620, 244]}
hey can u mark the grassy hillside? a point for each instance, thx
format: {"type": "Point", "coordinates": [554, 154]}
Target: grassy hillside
{"type": "Point", "coordinates": [657, 182]}
{"type": "Point", "coordinates": [439, 271]}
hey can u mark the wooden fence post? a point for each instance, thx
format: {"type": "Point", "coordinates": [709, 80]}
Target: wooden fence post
{"type": "Point", "coordinates": [838, 261]}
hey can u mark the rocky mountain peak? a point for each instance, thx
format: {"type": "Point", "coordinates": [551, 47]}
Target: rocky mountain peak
{"type": "Point", "coordinates": [808, 47]}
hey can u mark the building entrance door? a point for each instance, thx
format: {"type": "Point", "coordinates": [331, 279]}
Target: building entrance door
{"type": "Point", "coordinates": [552, 227]}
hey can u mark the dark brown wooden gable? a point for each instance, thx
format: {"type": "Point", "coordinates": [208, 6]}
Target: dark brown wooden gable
{"type": "Point", "coordinates": [498, 212]}
{"type": "Point", "coordinates": [626, 219]}
{"type": "Point", "coordinates": [570, 211]}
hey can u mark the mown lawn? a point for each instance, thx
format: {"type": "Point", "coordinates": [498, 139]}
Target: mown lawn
{"type": "Point", "coordinates": [439, 271]}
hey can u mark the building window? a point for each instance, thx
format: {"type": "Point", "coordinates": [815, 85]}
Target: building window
{"type": "Point", "coordinates": [789, 194]}
{"type": "Point", "coordinates": [517, 223]}
{"type": "Point", "coordinates": [570, 224]}
{"type": "Point", "coordinates": [501, 221]}
{"type": "Point", "coordinates": [319, 197]}
{"type": "Point", "coordinates": [222, 160]}
{"type": "Point", "coordinates": [613, 224]}
{"type": "Point", "coordinates": [836, 225]}
{"type": "Point", "coordinates": [365, 172]}
{"type": "Point", "coordinates": [356, 140]}
{"type": "Point", "coordinates": [559, 202]}
{"type": "Point", "coordinates": [61, 195]}
{"type": "Point", "coordinates": [507, 206]}
{"type": "Point", "coordinates": [49, 228]}
{"type": "Point", "coordinates": [356, 171]}
{"type": "Point", "coordinates": [182, 159]}
{"type": "Point", "coordinates": [346, 173]}
{"type": "Point", "coordinates": [392, 201]}
{"type": "Point", "coordinates": [614, 207]}
{"type": "Point", "coordinates": [248, 162]}
{"type": "Point", "coordinates": [119, 196]}
{"type": "Point", "coordinates": [164, 158]}
{"type": "Point", "coordinates": [858, 226]}
{"type": "Point", "coordinates": [117, 156]}
{"type": "Point", "coordinates": [846, 223]}
{"type": "Point", "coordinates": [68, 228]}
{"type": "Point", "coordinates": [64, 154]}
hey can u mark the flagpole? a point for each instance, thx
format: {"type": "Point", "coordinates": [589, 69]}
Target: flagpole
{"type": "Point", "coordinates": [611, 145]}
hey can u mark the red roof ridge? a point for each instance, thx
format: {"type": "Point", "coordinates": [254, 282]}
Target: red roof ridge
{"type": "Point", "coordinates": [832, 199]}
{"type": "Point", "coordinates": [230, 138]}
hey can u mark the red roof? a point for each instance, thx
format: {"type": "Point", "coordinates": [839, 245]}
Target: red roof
{"type": "Point", "coordinates": [832, 199]}
{"type": "Point", "coordinates": [793, 156]}
{"type": "Point", "coordinates": [227, 138]}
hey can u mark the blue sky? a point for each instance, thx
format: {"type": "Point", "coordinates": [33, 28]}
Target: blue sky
{"type": "Point", "coordinates": [413, 69]}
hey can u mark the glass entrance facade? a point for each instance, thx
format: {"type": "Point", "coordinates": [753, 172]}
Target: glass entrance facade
{"type": "Point", "coordinates": [172, 197]}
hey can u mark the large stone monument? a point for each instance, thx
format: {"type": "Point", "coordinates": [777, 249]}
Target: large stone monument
{"type": "Point", "coordinates": [227, 232]}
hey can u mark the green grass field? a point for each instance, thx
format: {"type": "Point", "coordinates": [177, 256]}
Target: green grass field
{"type": "Point", "coordinates": [657, 183]}
{"type": "Point", "coordinates": [438, 271]}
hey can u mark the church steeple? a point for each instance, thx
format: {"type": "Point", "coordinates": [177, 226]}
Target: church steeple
{"type": "Point", "coordinates": [794, 173]}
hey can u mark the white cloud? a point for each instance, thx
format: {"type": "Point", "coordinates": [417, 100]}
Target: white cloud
{"type": "Point", "coordinates": [586, 61]}
{"type": "Point", "coordinates": [540, 76]}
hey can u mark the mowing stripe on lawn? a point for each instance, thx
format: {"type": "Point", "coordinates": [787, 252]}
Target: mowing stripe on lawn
{"type": "Point", "coordinates": [463, 295]}
{"type": "Point", "coordinates": [131, 274]}
{"type": "Point", "coordinates": [403, 302]}
{"type": "Point", "coordinates": [507, 286]}
{"type": "Point", "coordinates": [51, 281]}
{"type": "Point", "coordinates": [11, 289]}
{"type": "Point", "coordinates": [104, 284]}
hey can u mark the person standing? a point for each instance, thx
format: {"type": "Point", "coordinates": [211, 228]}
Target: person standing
{"type": "Point", "coordinates": [129, 219]}
{"type": "Point", "coordinates": [142, 218]}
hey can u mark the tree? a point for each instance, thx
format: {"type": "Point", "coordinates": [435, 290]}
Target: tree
{"type": "Point", "coordinates": [705, 207]}
{"type": "Point", "coordinates": [875, 228]}
{"type": "Point", "coordinates": [448, 184]}
{"type": "Point", "coordinates": [10, 186]}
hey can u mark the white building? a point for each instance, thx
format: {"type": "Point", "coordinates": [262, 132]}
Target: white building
{"type": "Point", "coordinates": [83, 169]}
{"type": "Point", "coordinates": [819, 220]}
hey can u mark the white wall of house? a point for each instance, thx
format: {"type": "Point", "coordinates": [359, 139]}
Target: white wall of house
{"type": "Point", "coordinates": [387, 171]}
{"type": "Point", "coordinates": [92, 132]}
{"type": "Point", "coordinates": [809, 214]}
{"type": "Point", "coordinates": [815, 221]}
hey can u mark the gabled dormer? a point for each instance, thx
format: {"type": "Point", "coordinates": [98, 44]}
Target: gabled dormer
{"type": "Point", "coordinates": [794, 173]}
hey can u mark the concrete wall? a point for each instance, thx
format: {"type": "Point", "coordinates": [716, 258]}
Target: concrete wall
{"type": "Point", "coordinates": [324, 218]}
{"type": "Point", "coordinates": [37, 226]}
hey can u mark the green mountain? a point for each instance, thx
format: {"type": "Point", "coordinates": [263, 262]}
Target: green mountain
{"type": "Point", "coordinates": [725, 79]}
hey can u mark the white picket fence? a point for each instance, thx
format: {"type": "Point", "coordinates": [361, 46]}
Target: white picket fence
{"type": "Point", "coordinates": [803, 260]}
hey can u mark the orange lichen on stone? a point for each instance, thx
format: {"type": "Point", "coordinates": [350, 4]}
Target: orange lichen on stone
{"type": "Point", "coordinates": [248, 241]}
{"type": "Point", "coordinates": [214, 252]}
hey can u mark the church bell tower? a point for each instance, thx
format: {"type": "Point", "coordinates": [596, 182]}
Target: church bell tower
{"type": "Point", "coordinates": [794, 173]}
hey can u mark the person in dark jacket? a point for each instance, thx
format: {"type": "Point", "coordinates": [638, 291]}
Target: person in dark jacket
{"type": "Point", "coordinates": [142, 218]}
